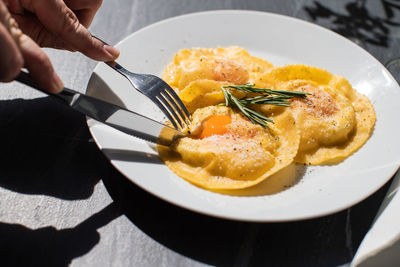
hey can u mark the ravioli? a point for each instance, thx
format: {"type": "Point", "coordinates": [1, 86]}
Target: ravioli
{"type": "Point", "coordinates": [232, 64]}
{"type": "Point", "coordinates": [334, 120]}
{"type": "Point", "coordinates": [203, 93]}
{"type": "Point", "coordinates": [226, 151]}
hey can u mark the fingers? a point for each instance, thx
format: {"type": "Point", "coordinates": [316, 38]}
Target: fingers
{"type": "Point", "coordinates": [84, 9]}
{"type": "Point", "coordinates": [17, 49]}
{"type": "Point", "coordinates": [85, 16]}
{"type": "Point", "coordinates": [60, 20]}
{"type": "Point", "coordinates": [39, 65]}
{"type": "Point", "coordinates": [14, 6]}
{"type": "Point", "coordinates": [11, 59]}
{"type": "Point", "coordinates": [36, 31]}
{"type": "Point", "coordinates": [83, 4]}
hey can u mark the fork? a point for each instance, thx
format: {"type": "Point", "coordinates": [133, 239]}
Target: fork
{"type": "Point", "coordinates": [159, 92]}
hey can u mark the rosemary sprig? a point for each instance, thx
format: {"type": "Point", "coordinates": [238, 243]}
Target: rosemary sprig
{"type": "Point", "coordinates": [249, 88]}
{"type": "Point", "coordinates": [267, 97]}
{"type": "Point", "coordinates": [252, 115]}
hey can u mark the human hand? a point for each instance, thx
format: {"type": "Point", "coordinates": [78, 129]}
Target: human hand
{"type": "Point", "coordinates": [47, 23]}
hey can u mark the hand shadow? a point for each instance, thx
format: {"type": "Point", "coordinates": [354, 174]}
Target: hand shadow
{"type": "Point", "coordinates": [331, 239]}
{"type": "Point", "coordinates": [22, 246]}
{"type": "Point", "coordinates": [46, 148]}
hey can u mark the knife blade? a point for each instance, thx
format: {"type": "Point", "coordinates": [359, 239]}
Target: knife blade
{"type": "Point", "coordinates": [110, 114]}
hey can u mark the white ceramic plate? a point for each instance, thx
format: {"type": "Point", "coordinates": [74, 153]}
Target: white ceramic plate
{"type": "Point", "coordinates": [281, 40]}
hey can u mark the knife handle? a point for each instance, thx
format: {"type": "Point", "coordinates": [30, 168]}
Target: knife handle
{"type": "Point", "coordinates": [65, 95]}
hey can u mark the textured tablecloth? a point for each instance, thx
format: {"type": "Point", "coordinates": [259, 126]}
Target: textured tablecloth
{"type": "Point", "coordinates": [61, 201]}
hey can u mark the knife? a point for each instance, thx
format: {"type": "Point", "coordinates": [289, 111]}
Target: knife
{"type": "Point", "coordinates": [115, 116]}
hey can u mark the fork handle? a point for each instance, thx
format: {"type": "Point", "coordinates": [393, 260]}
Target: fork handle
{"type": "Point", "coordinates": [118, 68]}
{"type": "Point", "coordinates": [113, 64]}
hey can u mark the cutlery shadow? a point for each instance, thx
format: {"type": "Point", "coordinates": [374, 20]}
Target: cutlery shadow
{"type": "Point", "coordinates": [98, 88]}
{"type": "Point", "coordinates": [331, 239]}
{"type": "Point", "coordinates": [131, 155]}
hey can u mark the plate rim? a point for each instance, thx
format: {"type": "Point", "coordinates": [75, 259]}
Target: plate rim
{"type": "Point", "coordinates": [233, 217]}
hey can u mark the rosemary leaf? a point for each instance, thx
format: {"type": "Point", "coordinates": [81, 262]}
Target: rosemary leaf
{"type": "Point", "coordinates": [267, 97]}
{"type": "Point", "coordinates": [249, 88]}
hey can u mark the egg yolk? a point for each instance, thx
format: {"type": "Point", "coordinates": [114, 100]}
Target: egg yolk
{"type": "Point", "coordinates": [214, 125]}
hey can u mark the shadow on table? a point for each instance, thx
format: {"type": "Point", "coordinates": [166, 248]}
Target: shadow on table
{"type": "Point", "coordinates": [358, 22]}
{"type": "Point", "coordinates": [330, 240]}
{"type": "Point", "coordinates": [22, 246]}
{"type": "Point", "coordinates": [46, 149]}
{"type": "Point", "coordinates": [52, 156]}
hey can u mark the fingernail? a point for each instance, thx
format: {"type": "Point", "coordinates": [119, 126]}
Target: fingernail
{"type": "Point", "coordinates": [57, 84]}
{"type": "Point", "coordinates": [112, 50]}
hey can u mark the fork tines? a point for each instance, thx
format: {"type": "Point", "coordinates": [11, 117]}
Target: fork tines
{"type": "Point", "coordinates": [172, 106]}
